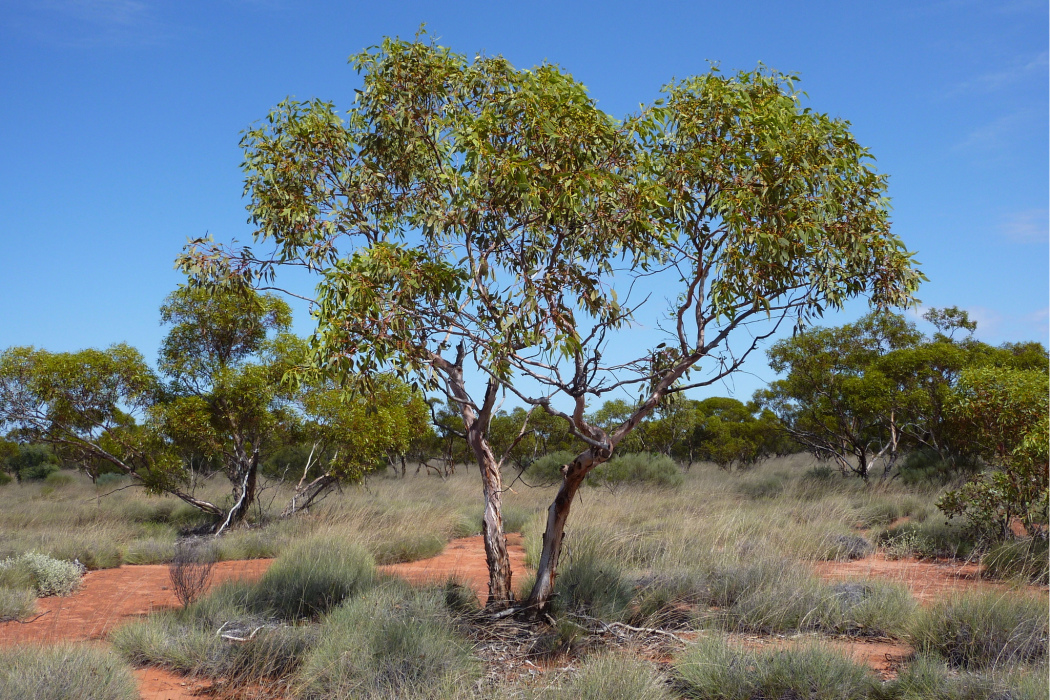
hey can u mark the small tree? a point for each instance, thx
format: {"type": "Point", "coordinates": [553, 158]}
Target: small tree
{"type": "Point", "coordinates": [470, 215]}
{"type": "Point", "coordinates": [1003, 416]}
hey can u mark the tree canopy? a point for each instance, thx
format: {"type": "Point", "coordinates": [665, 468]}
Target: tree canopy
{"type": "Point", "coordinates": [469, 216]}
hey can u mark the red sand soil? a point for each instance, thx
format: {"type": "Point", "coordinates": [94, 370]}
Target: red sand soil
{"type": "Point", "coordinates": [464, 560]}
{"type": "Point", "coordinates": [108, 598]}
{"type": "Point", "coordinates": [928, 581]}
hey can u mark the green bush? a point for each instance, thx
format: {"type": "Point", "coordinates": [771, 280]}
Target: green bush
{"type": "Point", "coordinates": [639, 468]}
{"type": "Point", "coordinates": [16, 603]}
{"type": "Point", "coordinates": [931, 679]}
{"type": "Point", "coordinates": [714, 670]}
{"type": "Point", "coordinates": [49, 576]}
{"type": "Point", "coordinates": [1026, 559]}
{"type": "Point", "coordinates": [391, 642]}
{"type": "Point", "coordinates": [5, 478]}
{"type": "Point", "coordinates": [408, 547]}
{"type": "Point", "coordinates": [926, 466]}
{"type": "Point", "coordinates": [985, 630]}
{"type": "Point", "coordinates": [33, 463]}
{"type": "Point", "coordinates": [547, 469]}
{"type": "Point", "coordinates": [312, 577]}
{"type": "Point", "coordinates": [66, 672]}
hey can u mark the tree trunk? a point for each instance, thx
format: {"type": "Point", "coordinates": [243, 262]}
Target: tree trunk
{"type": "Point", "coordinates": [501, 594]}
{"type": "Point", "coordinates": [542, 591]}
{"type": "Point", "coordinates": [244, 493]}
{"type": "Point", "coordinates": [306, 494]}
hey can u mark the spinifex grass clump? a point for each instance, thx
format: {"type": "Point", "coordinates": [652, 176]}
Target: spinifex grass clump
{"type": "Point", "coordinates": [712, 669]}
{"type": "Point", "coordinates": [312, 577]}
{"type": "Point", "coordinates": [931, 679]}
{"type": "Point", "coordinates": [391, 642]}
{"type": "Point", "coordinates": [985, 630]}
{"type": "Point", "coordinates": [16, 603]}
{"type": "Point", "coordinates": [607, 676]}
{"type": "Point", "coordinates": [65, 672]}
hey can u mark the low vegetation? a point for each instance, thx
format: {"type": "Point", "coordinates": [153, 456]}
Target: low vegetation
{"type": "Point", "coordinates": [65, 672]}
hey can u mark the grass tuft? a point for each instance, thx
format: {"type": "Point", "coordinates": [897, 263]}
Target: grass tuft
{"type": "Point", "coordinates": [389, 642]}
{"type": "Point", "coordinates": [985, 630]}
{"type": "Point", "coordinates": [714, 670]}
{"type": "Point", "coordinates": [65, 672]}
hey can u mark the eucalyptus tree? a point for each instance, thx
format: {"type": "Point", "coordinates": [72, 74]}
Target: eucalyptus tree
{"type": "Point", "coordinates": [225, 357]}
{"type": "Point", "coordinates": [469, 219]}
{"type": "Point", "coordinates": [90, 406]}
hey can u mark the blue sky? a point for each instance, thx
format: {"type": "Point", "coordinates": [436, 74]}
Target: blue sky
{"type": "Point", "coordinates": [121, 122]}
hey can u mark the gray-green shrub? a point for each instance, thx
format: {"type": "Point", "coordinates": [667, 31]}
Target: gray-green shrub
{"type": "Point", "coordinates": [639, 468]}
{"type": "Point", "coordinates": [49, 576]}
{"type": "Point", "coordinates": [547, 469]}
{"type": "Point", "coordinates": [65, 672]}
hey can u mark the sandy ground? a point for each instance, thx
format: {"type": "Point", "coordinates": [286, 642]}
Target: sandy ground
{"type": "Point", "coordinates": [463, 559]}
{"type": "Point", "coordinates": [110, 597]}
{"type": "Point", "coordinates": [928, 581]}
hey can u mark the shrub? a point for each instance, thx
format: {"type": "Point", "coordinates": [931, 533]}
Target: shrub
{"type": "Point", "coordinates": [639, 468]}
{"type": "Point", "coordinates": [49, 576]}
{"type": "Point", "coordinates": [712, 669]}
{"type": "Point", "coordinates": [926, 466]}
{"type": "Point", "coordinates": [312, 577]}
{"type": "Point", "coordinates": [33, 463]}
{"type": "Point", "coordinates": [66, 672]}
{"type": "Point", "coordinates": [930, 679]}
{"type": "Point", "coordinates": [190, 570]}
{"type": "Point", "coordinates": [5, 478]}
{"type": "Point", "coordinates": [985, 630]}
{"type": "Point", "coordinates": [16, 603]}
{"type": "Point", "coordinates": [409, 547]}
{"type": "Point", "coordinates": [1025, 559]}
{"type": "Point", "coordinates": [390, 642]}
{"type": "Point", "coordinates": [547, 469]}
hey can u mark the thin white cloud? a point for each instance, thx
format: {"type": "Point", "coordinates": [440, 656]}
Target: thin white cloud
{"type": "Point", "coordinates": [1021, 69]}
{"type": "Point", "coordinates": [1030, 226]}
{"type": "Point", "coordinates": [87, 23]}
{"type": "Point", "coordinates": [996, 134]}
